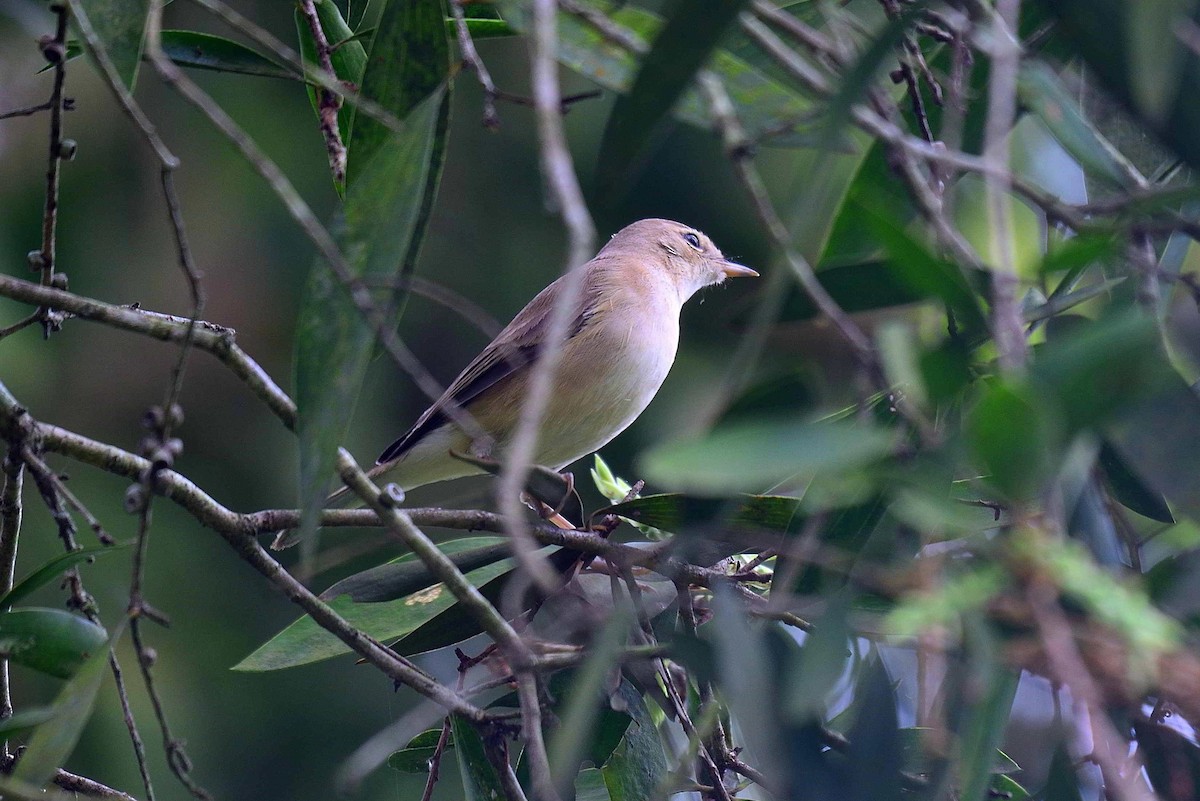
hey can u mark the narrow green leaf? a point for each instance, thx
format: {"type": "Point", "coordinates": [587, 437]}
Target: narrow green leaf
{"type": "Point", "coordinates": [52, 641]}
{"type": "Point", "coordinates": [456, 624]}
{"type": "Point", "coordinates": [766, 107]}
{"type": "Point", "coordinates": [52, 569]}
{"type": "Point", "coordinates": [54, 740]}
{"type": "Point", "coordinates": [876, 756]}
{"type": "Point", "coordinates": [635, 126]}
{"type": "Point", "coordinates": [408, 574]}
{"type": "Point", "coordinates": [121, 26]}
{"type": "Point", "coordinates": [1041, 91]}
{"type": "Point", "coordinates": [1069, 300]}
{"type": "Point", "coordinates": [484, 28]}
{"type": "Point", "coordinates": [675, 511]}
{"type": "Point", "coordinates": [752, 456]}
{"type": "Point", "coordinates": [1135, 51]}
{"type": "Point", "coordinates": [207, 52]}
{"type": "Point", "coordinates": [1012, 432]}
{"type": "Point", "coordinates": [639, 764]}
{"type": "Point", "coordinates": [1062, 783]}
{"type": "Point", "coordinates": [25, 720]}
{"type": "Point", "coordinates": [304, 641]}
{"type": "Point", "coordinates": [1129, 489]}
{"type": "Point", "coordinates": [414, 757]}
{"type": "Point", "coordinates": [569, 743]}
{"type": "Point", "coordinates": [480, 781]}
{"type": "Point", "coordinates": [382, 226]}
{"type": "Point", "coordinates": [408, 61]}
{"type": "Point", "coordinates": [983, 726]}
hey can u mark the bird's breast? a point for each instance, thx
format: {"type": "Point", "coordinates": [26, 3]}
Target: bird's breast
{"type": "Point", "coordinates": [608, 374]}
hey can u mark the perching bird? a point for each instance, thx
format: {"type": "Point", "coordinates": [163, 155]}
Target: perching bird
{"type": "Point", "coordinates": [620, 345]}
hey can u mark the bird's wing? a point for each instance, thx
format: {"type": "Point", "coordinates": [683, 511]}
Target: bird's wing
{"type": "Point", "coordinates": [514, 349]}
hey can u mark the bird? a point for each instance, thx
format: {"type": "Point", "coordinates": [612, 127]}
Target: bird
{"type": "Point", "coordinates": [619, 347]}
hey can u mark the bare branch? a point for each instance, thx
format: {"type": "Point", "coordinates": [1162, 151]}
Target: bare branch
{"type": "Point", "coordinates": [328, 102]}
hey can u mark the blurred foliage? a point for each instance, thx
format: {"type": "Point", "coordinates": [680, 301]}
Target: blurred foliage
{"type": "Point", "coordinates": [902, 573]}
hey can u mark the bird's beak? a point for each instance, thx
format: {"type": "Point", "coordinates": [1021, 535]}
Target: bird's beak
{"type": "Point", "coordinates": [731, 270]}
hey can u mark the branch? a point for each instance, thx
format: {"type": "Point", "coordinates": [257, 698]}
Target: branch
{"type": "Point", "coordinates": [209, 337]}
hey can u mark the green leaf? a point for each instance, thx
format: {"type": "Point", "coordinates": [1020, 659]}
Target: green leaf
{"type": "Point", "coordinates": [765, 106]}
{"type": "Point", "coordinates": [1129, 489]}
{"type": "Point", "coordinates": [480, 781]}
{"type": "Point", "coordinates": [349, 57]}
{"type": "Point", "coordinates": [809, 679]}
{"type": "Point", "coordinates": [408, 62]}
{"type": "Point", "coordinates": [639, 764]}
{"type": "Point", "coordinates": [1062, 784]}
{"type": "Point", "coordinates": [382, 228]}
{"type": "Point", "coordinates": [635, 126]}
{"type": "Point", "coordinates": [876, 756]}
{"type": "Point", "coordinates": [1026, 240]}
{"type": "Point", "coordinates": [1041, 91]}
{"type": "Point", "coordinates": [983, 725]}
{"type": "Point", "coordinates": [483, 28]}
{"type": "Point", "coordinates": [746, 457]}
{"type": "Point", "coordinates": [1098, 369]}
{"type": "Point", "coordinates": [304, 641]}
{"type": "Point", "coordinates": [25, 720]}
{"type": "Point", "coordinates": [414, 757]}
{"type": "Point", "coordinates": [676, 512]}
{"type": "Point", "coordinates": [53, 741]}
{"type": "Point", "coordinates": [121, 26]}
{"type": "Point", "coordinates": [207, 52]}
{"type": "Point", "coordinates": [1160, 439]}
{"type": "Point", "coordinates": [589, 786]}
{"type": "Point", "coordinates": [1135, 51]}
{"type": "Point", "coordinates": [1013, 433]}
{"type": "Point", "coordinates": [52, 641]}
{"type": "Point", "coordinates": [570, 743]}
{"type": "Point", "coordinates": [52, 569]}
{"type": "Point", "coordinates": [408, 574]}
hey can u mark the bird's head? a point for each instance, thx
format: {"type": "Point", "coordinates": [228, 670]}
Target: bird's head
{"type": "Point", "coordinates": [687, 255]}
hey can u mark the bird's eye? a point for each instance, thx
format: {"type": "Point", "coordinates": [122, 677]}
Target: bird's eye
{"type": "Point", "coordinates": [692, 240]}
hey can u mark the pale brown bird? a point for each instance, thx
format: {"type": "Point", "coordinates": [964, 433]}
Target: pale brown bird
{"type": "Point", "coordinates": [619, 347]}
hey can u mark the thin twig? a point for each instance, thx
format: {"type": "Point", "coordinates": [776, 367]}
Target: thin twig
{"type": "Point", "coordinates": [54, 49]}
{"type": "Point", "coordinates": [1008, 329]}
{"type": "Point", "coordinates": [567, 199]}
{"type": "Point", "coordinates": [211, 338]}
{"type": "Point", "coordinates": [10, 531]}
{"type": "Point", "coordinates": [328, 103]}
{"type": "Point", "coordinates": [466, 45]}
{"type": "Point", "coordinates": [28, 111]}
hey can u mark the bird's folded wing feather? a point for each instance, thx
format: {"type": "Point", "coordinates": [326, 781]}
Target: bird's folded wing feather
{"type": "Point", "coordinates": [513, 350]}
